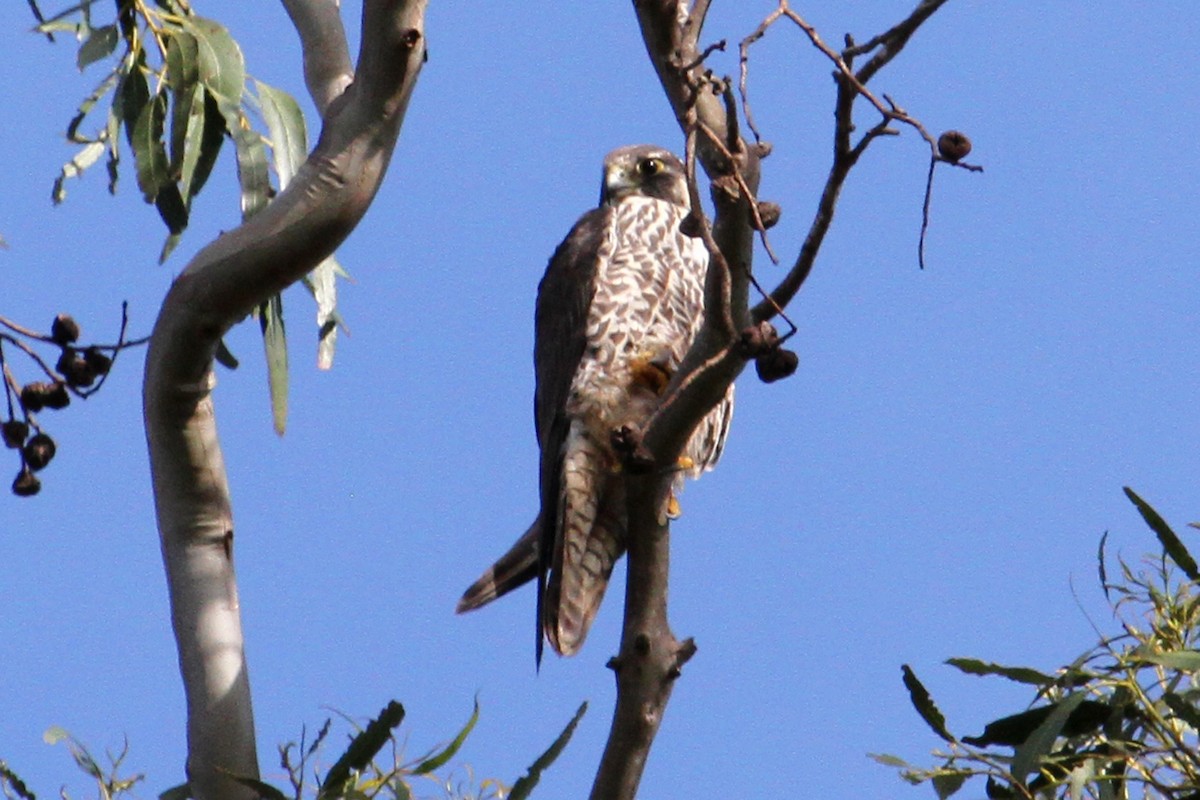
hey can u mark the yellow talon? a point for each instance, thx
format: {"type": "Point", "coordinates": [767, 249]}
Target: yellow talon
{"type": "Point", "coordinates": [674, 511]}
{"type": "Point", "coordinates": [686, 462]}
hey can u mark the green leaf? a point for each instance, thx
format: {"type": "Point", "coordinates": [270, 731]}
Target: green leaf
{"type": "Point", "coordinates": [1028, 756]}
{"type": "Point", "coordinates": [170, 207]}
{"type": "Point", "coordinates": [1101, 568]}
{"type": "Point", "coordinates": [270, 317]}
{"type": "Point", "coordinates": [132, 96]}
{"type": "Point", "coordinates": [285, 128]}
{"type": "Point", "coordinates": [362, 749]}
{"type": "Point", "coordinates": [889, 760]}
{"type": "Point", "coordinates": [946, 784]}
{"type": "Point", "coordinates": [205, 137]}
{"type": "Point", "coordinates": [10, 779]}
{"type": "Point", "coordinates": [100, 43]}
{"type": "Point", "coordinates": [526, 784]}
{"type": "Point", "coordinates": [183, 79]}
{"type": "Point", "coordinates": [1170, 542]}
{"type": "Point", "coordinates": [1028, 675]}
{"type": "Point", "coordinates": [88, 155]}
{"type": "Point", "coordinates": [924, 704]}
{"type": "Point", "coordinates": [149, 152]}
{"type": "Point", "coordinates": [322, 284]}
{"type": "Point", "coordinates": [85, 107]}
{"type": "Point", "coordinates": [253, 176]}
{"type": "Point", "coordinates": [221, 66]}
{"type": "Point", "coordinates": [433, 762]}
{"type": "Point", "coordinates": [1182, 660]}
{"type": "Point", "coordinates": [1182, 709]}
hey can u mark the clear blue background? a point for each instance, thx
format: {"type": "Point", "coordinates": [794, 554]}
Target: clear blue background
{"type": "Point", "coordinates": [932, 482]}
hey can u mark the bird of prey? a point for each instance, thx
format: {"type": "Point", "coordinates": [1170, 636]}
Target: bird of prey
{"type": "Point", "coordinates": [618, 307]}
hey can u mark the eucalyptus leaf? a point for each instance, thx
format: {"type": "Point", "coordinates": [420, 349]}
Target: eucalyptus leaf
{"type": "Point", "coordinates": [149, 151]}
{"type": "Point", "coordinates": [253, 175]}
{"type": "Point", "coordinates": [1028, 755]}
{"type": "Point", "coordinates": [104, 87]}
{"type": "Point", "coordinates": [1028, 675]}
{"type": "Point", "coordinates": [924, 704]}
{"type": "Point", "coordinates": [88, 155]}
{"type": "Point", "coordinates": [526, 784]}
{"type": "Point", "coordinates": [270, 316]}
{"type": "Point", "coordinates": [285, 129]}
{"type": "Point", "coordinates": [434, 761]}
{"type": "Point", "coordinates": [100, 43]}
{"type": "Point", "coordinates": [1170, 542]}
{"type": "Point", "coordinates": [222, 68]}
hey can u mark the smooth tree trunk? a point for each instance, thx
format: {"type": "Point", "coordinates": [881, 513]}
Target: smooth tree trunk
{"type": "Point", "coordinates": [362, 112]}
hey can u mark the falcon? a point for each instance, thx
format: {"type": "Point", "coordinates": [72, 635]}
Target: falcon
{"type": "Point", "coordinates": [617, 309]}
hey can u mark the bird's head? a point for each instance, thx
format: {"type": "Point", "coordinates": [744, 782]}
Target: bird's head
{"type": "Point", "coordinates": [643, 170]}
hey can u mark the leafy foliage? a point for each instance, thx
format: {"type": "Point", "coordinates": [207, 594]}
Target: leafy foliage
{"type": "Point", "coordinates": [177, 90]}
{"type": "Point", "coordinates": [1122, 720]}
{"type": "Point", "coordinates": [358, 774]}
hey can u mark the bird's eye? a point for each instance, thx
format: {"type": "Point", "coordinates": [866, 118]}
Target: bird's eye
{"type": "Point", "coordinates": [649, 167]}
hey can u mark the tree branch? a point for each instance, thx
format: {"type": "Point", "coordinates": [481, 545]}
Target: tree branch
{"type": "Point", "coordinates": [327, 67]}
{"type": "Point", "coordinates": [650, 657]}
{"type": "Point", "coordinates": [229, 277]}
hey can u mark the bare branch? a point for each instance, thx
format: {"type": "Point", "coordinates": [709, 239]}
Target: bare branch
{"type": "Point", "coordinates": [327, 67]}
{"type": "Point", "coordinates": [318, 209]}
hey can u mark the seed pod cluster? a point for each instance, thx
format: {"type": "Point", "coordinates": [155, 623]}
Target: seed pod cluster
{"type": "Point", "coordinates": [39, 394]}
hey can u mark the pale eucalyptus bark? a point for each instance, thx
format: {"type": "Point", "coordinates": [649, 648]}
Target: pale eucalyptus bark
{"type": "Point", "coordinates": [220, 286]}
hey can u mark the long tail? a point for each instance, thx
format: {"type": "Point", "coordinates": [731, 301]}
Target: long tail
{"type": "Point", "coordinates": [515, 568]}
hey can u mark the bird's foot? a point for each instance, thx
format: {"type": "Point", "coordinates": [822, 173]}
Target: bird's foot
{"type": "Point", "coordinates": [628, 444]}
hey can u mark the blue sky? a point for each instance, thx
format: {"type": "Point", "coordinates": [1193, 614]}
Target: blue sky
{"type": "Point", "coordinates": [931, 483]}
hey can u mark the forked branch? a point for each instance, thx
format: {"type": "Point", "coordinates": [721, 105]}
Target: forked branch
{"type": "Point", "coordinates": [651, 657]}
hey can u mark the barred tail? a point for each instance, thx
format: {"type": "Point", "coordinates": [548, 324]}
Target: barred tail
{"type": "Point", "coordinates": [513, 569]}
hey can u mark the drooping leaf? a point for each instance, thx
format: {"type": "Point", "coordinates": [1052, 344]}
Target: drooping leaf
{"type": "Point", "coordinates": [1101, 568]}
{"type": "Point", "coordinates": [285, 128]}
{"type": "Point", "coordinates": [322, 284]}
{"type": "Point", "coordinates": [1170, 542]}
{"type": "Point", "coordinates": [1028, 755]}
{"type": "Point", "coordinates": [369, 741]}
{"type": "Point", "coordinates": [270, 317]}
{"type": "Point", "coordinates": [183, 78]}
{"type": "Point", "coordinates": [132, 95]}
{"type": "Point", "coordinates": [206, 135]}
{"type": "Point", "coordinates": [924, 704]}
{"type": "Point", "coordinates": [947, 784]}
{"type": "Point", "coordinates": [1183, 660]}
{"type": "Point", "coordinates": [437, 760]}
{"type": "Point", "coordinates": [221, 66]}
{"type": "Point", "coordinates": [1028, 675]}
{"type": "Point", "coordinates": [149, 152]}
{"type": "Point", "coordinates": [1016, 729]}
{"type": "Point", "coordinates": [1182, 709]}
{"type": "Point", "coordinates": [526, 784]}
{"type": "Point", "coordinates": [9, 780]}
{"type": "Point", "coordinates": [170, 207]}
{"type": "Point", "coordinates": [89, 154]}
{"type": "Point", "coordinates": [102, 88]}
{"type": "Point", "coordinates": [100, 43]}
{"type": "Point", "coordinates": [253, 176]}
{"type": "Point", "coordinates": [889, 760]}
